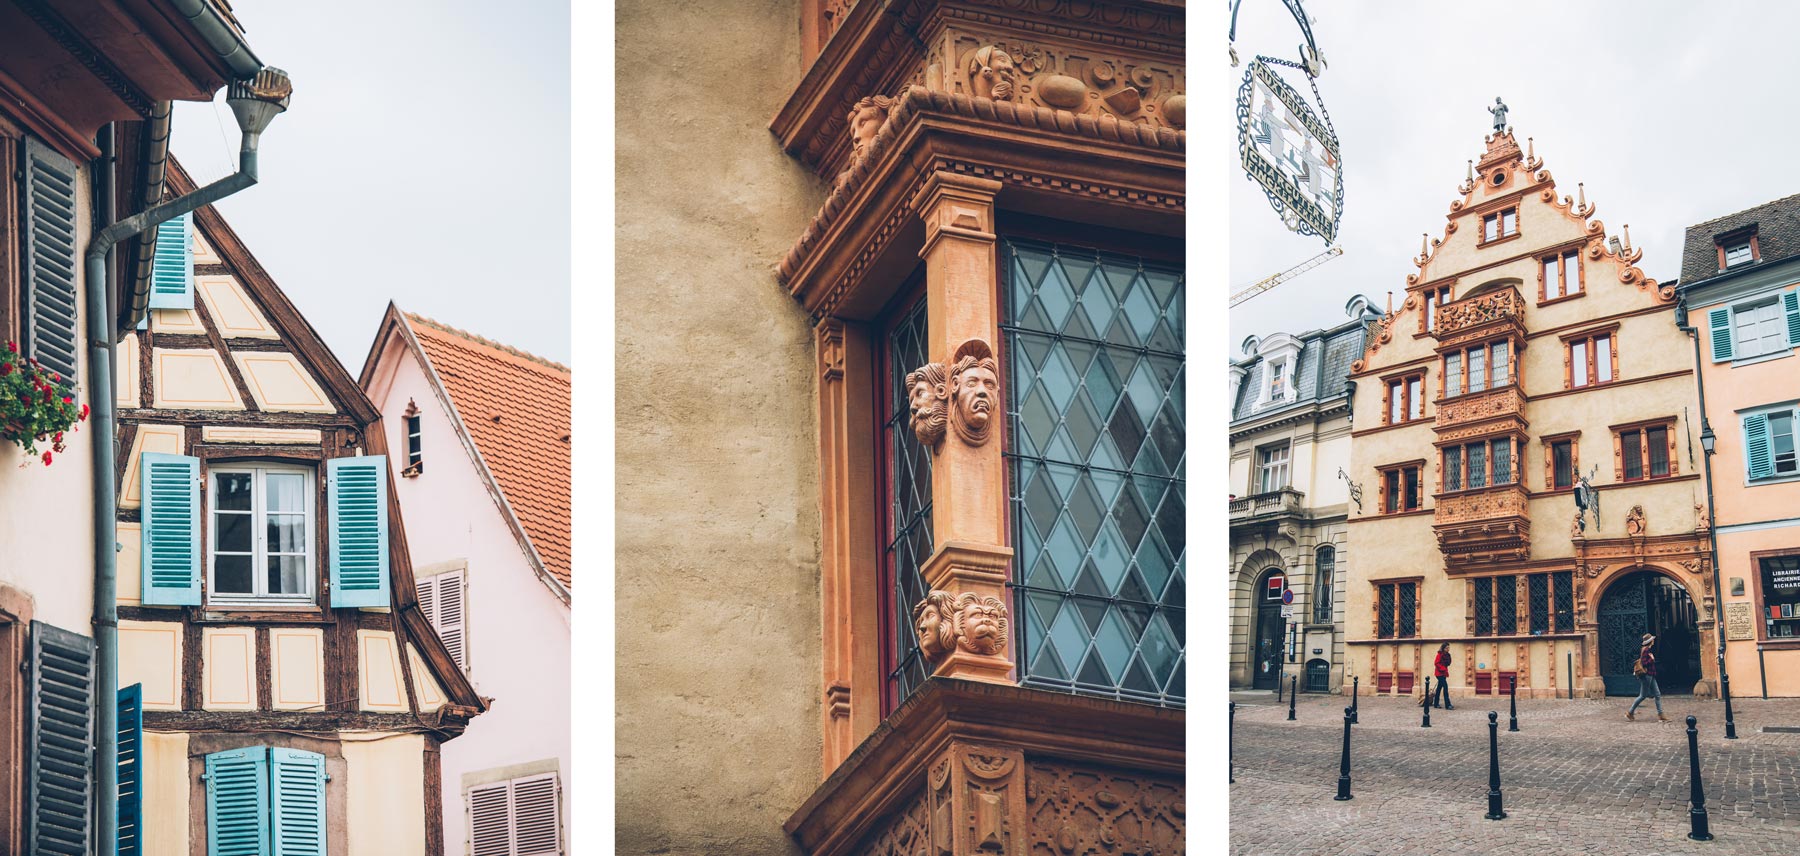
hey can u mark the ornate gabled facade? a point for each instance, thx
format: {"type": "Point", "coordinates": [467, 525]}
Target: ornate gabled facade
{"type": "Point", "coordinates": [269, 623]}
{"type": "Point", "coordinates": [1290, 504]}
{"type": "Point", "coordinates": [1532, 370]}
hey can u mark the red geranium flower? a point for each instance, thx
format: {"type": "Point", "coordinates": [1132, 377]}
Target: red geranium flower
{"type": "Point", "coordinates": [12, 347]}
{"type": "Point", "coordinates": [68, 399]}
{"type": "Point", "coordinates": [84, 413]}
{"type": "Point", "coordinates": [6, 369]}
{"type": "Point", "coordinates": [57, 438]}
{"type": "Point", "coordinates": [46, 459]}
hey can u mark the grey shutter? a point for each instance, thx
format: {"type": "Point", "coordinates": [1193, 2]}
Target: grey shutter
{"type": "Point", "coordinates": [59, 782]}
{"type": "Point", "coordinates": [50, 259]}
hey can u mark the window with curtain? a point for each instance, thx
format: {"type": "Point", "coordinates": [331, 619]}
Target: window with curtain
{"type": "Point", "coordinates": [1324, 571]}
{"type": "Point", "coordinates": [262, 533]}
{"type": "Point", "coordinates": [908, 475]}
{"type": "Point", "coordinates": [1095, 363]}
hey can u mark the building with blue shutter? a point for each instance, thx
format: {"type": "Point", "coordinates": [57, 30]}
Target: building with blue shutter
{"type": "Point", "coordinates": [270, 631]}
{"type": "Point", "coordinates": [1740, 293]}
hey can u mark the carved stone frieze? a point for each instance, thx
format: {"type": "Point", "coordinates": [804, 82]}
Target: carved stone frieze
{"type": "Point", "coordinates": [991, 72]}
{"type": "Point", "coordinates": [1082, 810]}
{"type": "Point", "coordinates": [1083, 78]}
{"type": "Point", "coordinates": [974, 391]}
{"type": "Point", "coordinates": [927, 391]}
{"type": "Point", "coordinates": [1476, 406]}
{"type": "Point", "coordinates": [1503, 305]}
{"type": "Point", "coordinates": [906, 832]}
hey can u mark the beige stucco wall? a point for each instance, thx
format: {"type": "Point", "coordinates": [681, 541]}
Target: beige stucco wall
{"type": "Point", "coordinates": [386, 795]}
{"type": "Point", "coordinates": [717, 601]}
{"type": "Point", "coordinates": [165, 789]}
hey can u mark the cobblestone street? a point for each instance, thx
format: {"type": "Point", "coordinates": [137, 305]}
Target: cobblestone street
{"type": "Point", "coordinates": [1577, 778]}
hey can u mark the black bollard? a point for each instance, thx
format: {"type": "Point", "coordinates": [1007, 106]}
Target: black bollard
{"type": "Point", "coordinates": [1278, 677]}
{"type": "Point", "coordinates": [1230, 759]}
{"type": "Point", "coordinates": [1344, 761]}
{"type": "Point", "coordinates": [1725, 688]}
{"type": "Point", "coordinates": [1696, 795]}
{"type": "Point", "coordinates": [1427, 705]}
{"type": "Point", "coordinates": [1495, 811]}
{"type": "Point", "coordinates": [1292, 692]}
{"type": "Point", "coordinates": [1513, 723]}
{"type": "Point", "coordinates": [1355, 689]}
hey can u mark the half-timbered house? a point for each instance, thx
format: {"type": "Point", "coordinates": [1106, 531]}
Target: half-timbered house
{"type": "Point", "coordinates": [291, 694]}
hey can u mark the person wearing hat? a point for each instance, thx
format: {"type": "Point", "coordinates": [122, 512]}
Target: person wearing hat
{"type": "Point", "coordinates": [1646, 675]}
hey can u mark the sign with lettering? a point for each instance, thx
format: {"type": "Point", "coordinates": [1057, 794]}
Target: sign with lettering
{"type": "Point", "coordinates": [1285, 147]}
{"type": "Point", "coordinates": [1740, 621]}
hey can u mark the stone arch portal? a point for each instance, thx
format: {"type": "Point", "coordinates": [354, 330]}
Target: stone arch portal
{"type": "Point", "coordinates": [1647, 598]}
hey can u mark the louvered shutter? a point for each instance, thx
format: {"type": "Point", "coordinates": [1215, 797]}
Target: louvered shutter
{"type": "Point", "coordinates": [172, 266]}
{"type": "Point", "coordinates": [171, 552]}
{"type": "Point", "coordinates": [299, 787]}
{"type": "Point", "coordinates": [237, 802]}
{"type": "Point", "coordinates": [131, 770]}
{"type": "Point", "coordinates": [1719, 322]}
{"type": "Point", "coordinates": [449, 616]}
{"type": "Point", "coordinates": [1756, 446]}
{"type": "Point", "coordinates": [1790, 306]}
{"type": "Point", "coordinates": [537, 824]}
{"type": "Point", "coordinates": [50, 259]}
{"type": "Point", "coordinates": [357, 489]}
{"type": "Point", "coordinates": [490, 820]}
{"type": "Point", "coordinates": [59, 786]}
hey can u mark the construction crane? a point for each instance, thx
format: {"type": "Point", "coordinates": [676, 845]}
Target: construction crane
{"type": "Point", "coordinates": [1277, 279]}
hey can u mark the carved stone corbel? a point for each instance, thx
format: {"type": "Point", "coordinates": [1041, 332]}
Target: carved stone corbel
{"type": "Point", "coordinates": [962, 623]}
{"type": "Point", "coordinates": [974, 391]}
{"type": "Point", "coordinates": [928, 395]}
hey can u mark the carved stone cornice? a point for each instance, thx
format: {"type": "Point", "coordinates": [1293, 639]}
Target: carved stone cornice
{"type": "Point", "coordinates": [1480, 317]}
{"type": "Point", "coordinates": [921, 776]}
{"type": "Point", "coordinates": [1483, 526]}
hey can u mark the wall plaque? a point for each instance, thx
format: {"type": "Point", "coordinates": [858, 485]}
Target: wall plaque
{"type": "Point", "coordinates": [1740, 621]}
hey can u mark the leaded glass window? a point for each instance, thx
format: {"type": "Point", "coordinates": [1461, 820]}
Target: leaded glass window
{"type": "Point", "coordinates": [1540, 602]}
{"type": "Point", "coordinates": [1323, 574]}
{"type": "Point", "coordinates": [1408, 612]}
{"type": "Point", "coordinates": [1506, 605]}
{"type": "Point", "coordinates": [1565, 600]}
{"type": "Point", "coordinates": [1484, 606]}
{"type": "Point", "coordinates": [1384, 612]}
{"type": "Point", "coordinates": [909, 499]}
{"type": "Point", "coordinates": [1095, 395]}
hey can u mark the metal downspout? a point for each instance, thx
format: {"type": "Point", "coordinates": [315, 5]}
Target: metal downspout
{"type": "Point", "coordinates": [1712, 528]}
{"type": "Point", "coordinates": [106, 546]}
{"type": "Point", "coordinates": [135, 286]}
{"type": "Point", "coordinates": [222, 37]}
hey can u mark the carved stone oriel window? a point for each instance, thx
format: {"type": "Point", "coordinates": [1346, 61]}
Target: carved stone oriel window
{"type": "Point", "coordinates": [908, 533]}
{"type": "Point", "coordinates": [1094, 362]}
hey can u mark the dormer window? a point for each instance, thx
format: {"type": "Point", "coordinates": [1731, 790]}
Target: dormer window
{"type": "Point", "coordinates": [1281, 358]}
{"type": "Point", "coordinates": [415, 446]}
{"type": "Point", "coordinates": [1278, 381]}
{"type": "Point", "coordinates": [1738, 248]}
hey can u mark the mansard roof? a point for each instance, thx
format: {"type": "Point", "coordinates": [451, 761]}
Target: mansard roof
{"type": "Point", "coordinates": [1324, 365]}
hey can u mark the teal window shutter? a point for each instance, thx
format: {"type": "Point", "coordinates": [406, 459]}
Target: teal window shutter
{"type": "Point", "coordinates": [49, 222]}
{"type": "Point", "coordinates": [172, 266]}
{"type": "Point", "coordinates": [1790, 305]}
{"type": "Point", "coordinates": [59, 739]}
{"type": "Point", "coordinates": [357, 492]}
{"type": "Point", "coordinates": [1756, 446]}
{"type": "Point", "coordinates": [131, 770]}
{"type": "Point", "coordinates": [298, 782]}
{"type": "Point", "coordinates": [170, 485]}
{"type": "Point", "coordinates": [1719, 320]}
{"type": "Point", "coordinates": [237, 802]}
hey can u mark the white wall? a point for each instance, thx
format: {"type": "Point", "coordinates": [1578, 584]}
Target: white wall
{"type": "Point", "coordinates": [517, 632]}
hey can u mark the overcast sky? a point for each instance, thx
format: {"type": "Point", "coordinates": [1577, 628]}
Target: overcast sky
{"type": "Point", "coordinates": [424, 159]}
{"type": "Point", "coordinates": [1672, 113]}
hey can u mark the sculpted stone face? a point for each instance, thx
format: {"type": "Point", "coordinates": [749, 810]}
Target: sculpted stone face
{"type": "Point", "coordinates": [866, 119]}
{"type": "Point", "coordinates": [981, 624]}
{"type": "Point", "coordinates": [991, 73]}
{"type": "Point", "coordinates": [934, 619]}
{"type": "Point", "coordinates": [929, 403]}
{"type": "Point", "coordinates": [976, 389]}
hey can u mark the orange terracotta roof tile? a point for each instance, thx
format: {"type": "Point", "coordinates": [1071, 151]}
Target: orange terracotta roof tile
{"type": "Point", "coordinates": [515, 407]}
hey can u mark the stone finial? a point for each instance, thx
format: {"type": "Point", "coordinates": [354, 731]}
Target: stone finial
{"type": "Point", "coordinates": [928, 394]}
{"type": "Point", "coordinates": [974, 391]}
{"type": "Point", "coordinates": [991, 73]}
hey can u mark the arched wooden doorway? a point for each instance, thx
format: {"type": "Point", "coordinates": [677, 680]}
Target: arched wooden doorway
{"type": "Point", "coordinates": [1271, 630]}
{"type": "Point", "coordinates": [1648, 602]}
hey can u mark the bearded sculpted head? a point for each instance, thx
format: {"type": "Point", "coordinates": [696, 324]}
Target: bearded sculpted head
{"type": "Point", "coordinates": [991, 73]}
{"type": "Point", "coordinates": [934, 618]}
{"type": "Point", "coordinates": [974, 391]}
{"type": "Point", "coordinates": [927, 394]}
{"type": "Point", "coordinates": [866, 119]}
{"type": "Point", "coordinates": [980, 624]}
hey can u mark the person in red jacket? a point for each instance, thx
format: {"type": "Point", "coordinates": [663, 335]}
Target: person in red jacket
{"type": "Point", "coordinates": [1443, 678]}
{"type": "Point", "coordinates": [1646, 675]}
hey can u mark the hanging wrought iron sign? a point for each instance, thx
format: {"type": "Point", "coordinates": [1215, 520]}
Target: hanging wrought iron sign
{"type": "Point", "coordinates": [1284, 144]}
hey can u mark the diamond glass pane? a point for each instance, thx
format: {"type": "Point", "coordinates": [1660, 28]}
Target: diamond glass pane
{"type": "Point", "coordinates": [1484, 607]}
{"type": "Point", "coordinates": [1095, 369]}
{"type": "Point", "coordinates": [909, 519]}
{"type": "Point", "coordinates": [1506, 605]}
{"type": "Point", "coordinates": [1540, 602]}
{"type": "Point", "coordinates": [1408, 614]}
{"type": "Point", "coordinates": [1565, 600]}
{"type": "Point", "coordinates": [1384, 612]}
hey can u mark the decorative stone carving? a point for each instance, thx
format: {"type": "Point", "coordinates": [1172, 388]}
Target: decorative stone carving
{"type": "Point", "coordinates": [974, 391]}
{"type": "Point", "coordinates": [1084, 809]}
{"type": "Point", "coordinates": [1503, 305]}
{"type": "Point", "coordinates": [1174, 109]}
{"type": "Point", "coordinates": [935, 620]}
{"type": "Point", "coordinates": [928, 393]}
{"type": "Point", "coordinates": [1701, 523]}
{"type": "Point", "coordinates": [1634, 522]}
{"type": "Point", "coordinates": [980, 624]}
{"type": "Point", "coordinates": [991, 73]}
{"type": "Point", "coordinates": [866, 119]}
{"type": "Point", "coordinates": [1062, 91]}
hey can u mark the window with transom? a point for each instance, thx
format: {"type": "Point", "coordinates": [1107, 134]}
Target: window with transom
{"type": "Point", "coordinates": [1483, 463]}
{"type": "Point", "coordinates": [1479, 368]}
{"type": "Point", "coordinates": [261, 534]}
{"type": "Point", "coordinates": [1396, 609]}
{"type": "Point", "coordinates": [1095, 361]}
{"type": "Point", "coordinates": [1272, 468]}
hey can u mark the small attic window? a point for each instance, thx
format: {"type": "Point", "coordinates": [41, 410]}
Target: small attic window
{"type": "Point", "coordinates": [1738, 248]}
{"type": "Point", "coordinates": [415, 449]}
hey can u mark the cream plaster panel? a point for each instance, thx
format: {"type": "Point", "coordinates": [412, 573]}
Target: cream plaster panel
{"type": "Point", "coordinates": [386, 796]}
{"type": "Point", "coordinates": [129, 577]}
{"type": "Point", "coordinates": [278, 382]}
{"type": "Point", "coordinates": [165, 790]}
{"type": "Point", "coordinates": [150, 438]}
{"type": "Point", "coordinates": [130, 372]}
{"type": "Point", "coordinates": [182, 321]}
{"type": "Point", "coordinates": [228, 668]}
{"type": "Point", "coordinates": [378, 663]}
{"type": "Point", "coordinates": [203, 251]}
{"type": "Point", "coordinates": [232, 310]}
{"type": "Point", "coordinates": [193, 379]}
{"type": "Point", "coordinates": [150, 654]}
{"type": "Point", "coordinates": [297, 667]}
{"type": "Point", "coordinates": [261, 436]}
{"type": "Point", "coordinates": [425, 684]}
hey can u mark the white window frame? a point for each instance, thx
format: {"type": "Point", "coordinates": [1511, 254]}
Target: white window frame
{"type": "Point", "coordinates": [1776, 322]}
{"type": "Point", "coordinates": [431, 602]}
{"type": "Point", "coordinates": [1740, 248]}
{"type": "Point", "coordinates": [508, 789]}
{"type": "Point", "coordinates": [1265, 465]}
{"type": "Point", "coordinates": [259, 580]}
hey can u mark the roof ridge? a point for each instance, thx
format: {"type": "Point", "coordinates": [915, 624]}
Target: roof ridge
{"type": "Point", "coordinates": [1746, 210]}
{"type": "Point", "coordinates": [483, 340]}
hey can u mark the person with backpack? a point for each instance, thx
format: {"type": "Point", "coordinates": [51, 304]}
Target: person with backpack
{"type": "Point", "coordinates": [1442, 671]}
{"type": "Point", "coordinates": [1646, 675]}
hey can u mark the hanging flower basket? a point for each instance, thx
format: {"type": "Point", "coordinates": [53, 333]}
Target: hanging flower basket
{"type": "Point", "coordinates": [36, 405]}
